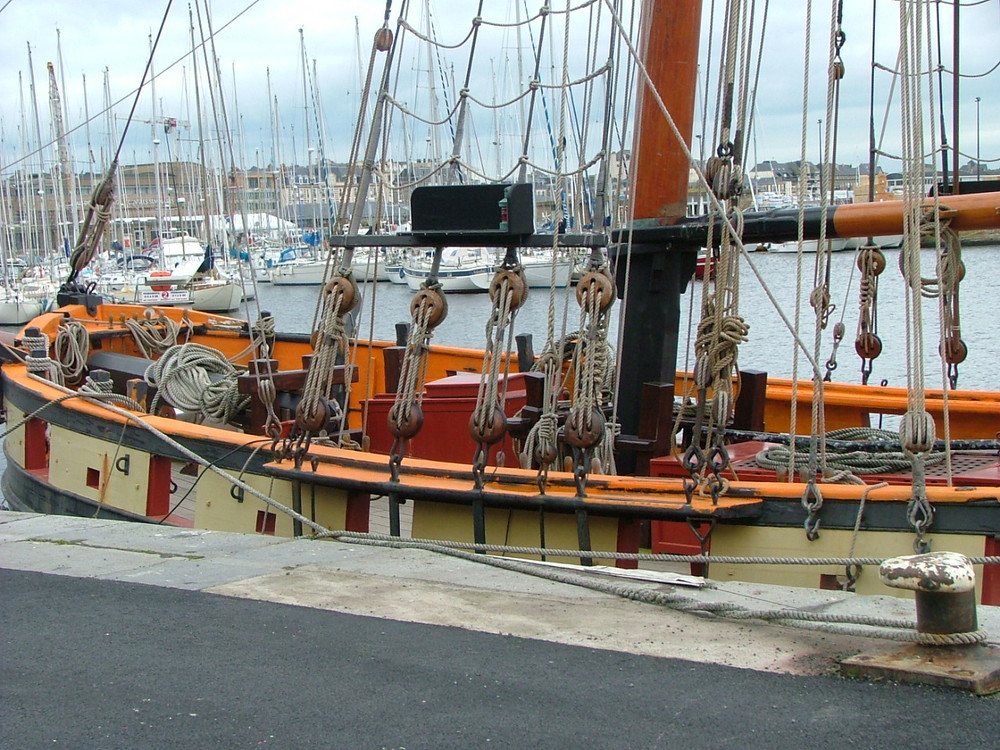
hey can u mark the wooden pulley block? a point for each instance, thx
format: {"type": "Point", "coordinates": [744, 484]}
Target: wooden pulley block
{"type": "Point", "coordinates": [948, 262]}
{"type": "Point", "coordinates": [584, 432]}
{"type": "Point", "coordinates": [596, 283]}
{"type": "Point", "coordinates": [312, 423]}
{"type": "Point", "coordinates": [868, 345]}
{"type": "Point", "coordinates": [712, 167]}
{"type": "Point", "coordinates": [838, 70]}
{"type": "Point", "coordinates": [493, 429]}
{"type": "Point", "coordinates": [434, 300]}
{"type": "Point", "coordinates": [871, 257]}
{"type": "Point", "coordinates": [405, 426]}
{"type": "Point", "coordinates": [383, 39]}
{"type": "Point", "coordinates": [955, 350]}
{"type": "Point", "coordinates": [346, 288]}
{"type": "Point", "coordinates": [544, 453]}
{"type": "Point", "coordinates": [515, 282]}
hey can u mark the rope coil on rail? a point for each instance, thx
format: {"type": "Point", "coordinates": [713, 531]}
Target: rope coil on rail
{"type": "Point", "coordinates": [855, 459]}
{"type": "Point", "coordinates": [184, 378]}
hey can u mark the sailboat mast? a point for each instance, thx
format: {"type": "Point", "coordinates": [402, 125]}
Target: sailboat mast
{"type": "Point", "coordinates": [71, 179]}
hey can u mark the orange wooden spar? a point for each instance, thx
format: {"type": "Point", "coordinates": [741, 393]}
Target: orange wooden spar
{"type": "Point", "coordinates": [659, 164]}
{"type": "Point", "coordinates": [964, 212]}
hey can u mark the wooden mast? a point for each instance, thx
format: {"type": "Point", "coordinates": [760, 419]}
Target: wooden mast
{"type": "Point", "coordinates": [659, 166]}
{"type": "Point", "coordinates": [652, 273]}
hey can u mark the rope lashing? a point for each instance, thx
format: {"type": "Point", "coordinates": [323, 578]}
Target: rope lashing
{"type": "Point", "coordinates": [950, 270]}
{"type": "Point", "coordinates": [488, 422]}
{"type": "Point", "coordinates": [428, 309]}
{"type": "Point", "coordinates": [71, 348]}
{"type": "Point", "coordinates": [917, 436]}
{"type": "Point", "coordinates": [97, 218]}
{"type": "Point", "coordinates": [153, 336]}
{"type": "Point", "coordinates": [867, 344]}
{"type": "Point", "coordinates": [585, 423]}
{"type": "Point", "coordinates": [317, 407]}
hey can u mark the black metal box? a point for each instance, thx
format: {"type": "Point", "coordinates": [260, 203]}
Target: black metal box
{"type": "Point", "coordinates": [499, 209]}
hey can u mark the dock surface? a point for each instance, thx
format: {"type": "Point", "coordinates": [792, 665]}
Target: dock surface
{"type": "Point", "coordinates": [124, 635]}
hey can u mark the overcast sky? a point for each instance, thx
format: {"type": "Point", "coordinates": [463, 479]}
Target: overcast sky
{"type": "Point", "coordinates": [114, 36]}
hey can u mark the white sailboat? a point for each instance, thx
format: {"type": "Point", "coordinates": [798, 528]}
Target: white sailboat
{"type": "Point", "coordinates": [462, 269]}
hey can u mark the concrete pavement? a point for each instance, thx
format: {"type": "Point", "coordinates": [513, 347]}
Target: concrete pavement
{"type": "Point", "coordinates": [128, 635]}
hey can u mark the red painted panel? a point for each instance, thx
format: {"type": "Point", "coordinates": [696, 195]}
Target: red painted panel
{"type": "Point", "coordinates": [36, 445]}
{"type": "Point", "coordinates": [158, 487]}
{"type": "Point", "coordinates": [357, 512]}
{"type": "Point", "coordinates": [991, 573]}
{"type": "Point", "coordinates": [629, 532]}
{"type": "Point", "coordinates": [447, 406]}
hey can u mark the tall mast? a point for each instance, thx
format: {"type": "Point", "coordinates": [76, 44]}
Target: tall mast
{"type": "Point", "coordinates": [156, 152]}
{"type": "Point", "coordinates": [71, 180]}
{"type": "Point", "coordinates": [651, 272]}
{"type": "Point", "coordinates": [208, 235]}
{"type": "Point", "coordinates": [45, 238]}
{"type": "Point", "coordinates": [659, 165]}
{"type": "Point", "coordinates": [62, 152]}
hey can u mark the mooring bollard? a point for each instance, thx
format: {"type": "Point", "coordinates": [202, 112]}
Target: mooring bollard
{"type": "Point", "coordinates": [945, 588]}
{"type": "Point", "coordinates": [950, 650]}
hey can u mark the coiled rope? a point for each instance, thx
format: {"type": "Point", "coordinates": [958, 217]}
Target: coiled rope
{"type": "Point", "coordinates": [153, 336]}
{"type": "Point", "coordinates": [184, 378]}
{"type": "Point", "coordinates": [838, 460]}
{"type": "Point", "coordinates": [71, 348]}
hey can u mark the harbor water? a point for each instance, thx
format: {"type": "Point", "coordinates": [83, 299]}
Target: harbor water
{"type": "Point", "coordinates": [770, 344]}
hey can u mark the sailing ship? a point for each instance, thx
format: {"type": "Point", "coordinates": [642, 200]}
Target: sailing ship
{"type": "Point", "coordinates": [566, 455]}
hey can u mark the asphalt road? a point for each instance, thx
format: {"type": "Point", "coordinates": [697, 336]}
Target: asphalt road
{"type": "Point", "coordinates": [105, 664]}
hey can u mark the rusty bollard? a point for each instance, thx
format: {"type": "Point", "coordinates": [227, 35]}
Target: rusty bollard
{"type": "Point", "coordinates": [945, 588]}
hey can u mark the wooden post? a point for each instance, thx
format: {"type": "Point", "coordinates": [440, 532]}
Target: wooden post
{"type": "Point", "coordinates": [749, 411]}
